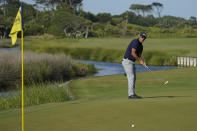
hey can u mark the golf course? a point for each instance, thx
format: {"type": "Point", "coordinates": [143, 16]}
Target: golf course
{"type": "Point", "coordinates": [84, 65]}
{"type": "Point", "coordinates": [101, 104]}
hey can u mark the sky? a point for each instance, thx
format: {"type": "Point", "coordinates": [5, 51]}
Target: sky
{"type": "Point", "coordinates": [179, 8]}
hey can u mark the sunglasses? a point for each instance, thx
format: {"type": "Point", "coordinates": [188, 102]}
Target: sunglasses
{"type": "Point", "coordinates": [144, 38]}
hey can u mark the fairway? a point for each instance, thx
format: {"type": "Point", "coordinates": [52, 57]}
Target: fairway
{"type": "Point", "coordinates": [102, 105]}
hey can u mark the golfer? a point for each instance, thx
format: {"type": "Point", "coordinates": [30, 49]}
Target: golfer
{"type": "Point", "coordinates": [133, 53]}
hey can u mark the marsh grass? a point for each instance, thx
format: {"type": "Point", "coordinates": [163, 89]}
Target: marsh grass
{"type": "Point", "coordinates": [10, 75]}
{"type": "Point", "coordinates": [34, 95]}
{"type": "Point", "coordinates": [152, 57]}
{"type": "Point", "coordinates": [159, 58]}
{"type": "Point", "coordinates": [43, 67]}
{"type": "Point", "coordinates": [38, 68]}
{"type": "Point", "coordinates": [160, 51]}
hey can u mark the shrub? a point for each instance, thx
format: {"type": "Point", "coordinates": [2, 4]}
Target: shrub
{"type": "Point", "coordinates": [34, 29]}
{"type": "Point", "coordinates": [81, 69]}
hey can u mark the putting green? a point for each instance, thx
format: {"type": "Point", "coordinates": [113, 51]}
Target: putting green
{"type": "Point", "coordinates": [102, 105]}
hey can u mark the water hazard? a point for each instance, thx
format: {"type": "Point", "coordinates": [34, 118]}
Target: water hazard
{"type": "Point", "coordinates": [106, 68]}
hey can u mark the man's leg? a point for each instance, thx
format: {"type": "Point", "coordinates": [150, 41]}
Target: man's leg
{"type": "Point", "coordinates": [129, 68]}
{"type": "Point", "coordinates": [134, 70]}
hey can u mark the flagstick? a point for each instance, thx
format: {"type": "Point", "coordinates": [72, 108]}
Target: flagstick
{"type": "Point", "coordinates": [22, 80]}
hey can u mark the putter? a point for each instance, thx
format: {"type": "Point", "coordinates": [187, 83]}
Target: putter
{"type": "Point", "coordinates": [158, 77]}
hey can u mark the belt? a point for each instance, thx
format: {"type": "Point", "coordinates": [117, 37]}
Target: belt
{"type": "Point", "coordinates": [128, 59]}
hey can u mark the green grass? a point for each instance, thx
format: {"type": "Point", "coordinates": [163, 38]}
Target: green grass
{"type": "Point", "coordinates": [102, 105]}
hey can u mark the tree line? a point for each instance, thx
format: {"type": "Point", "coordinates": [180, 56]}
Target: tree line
{"type": "Point", "coordinates": [66, 18]}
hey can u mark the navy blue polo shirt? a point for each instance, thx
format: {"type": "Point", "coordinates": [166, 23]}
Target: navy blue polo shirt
{"type": "Point", "coordinates": [136, 45]}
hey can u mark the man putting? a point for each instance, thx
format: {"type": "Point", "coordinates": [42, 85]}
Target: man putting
{"type": "Point", "coordinates": [133, 52]}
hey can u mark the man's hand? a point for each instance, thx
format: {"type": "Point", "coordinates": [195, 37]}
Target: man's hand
{"type": "Point", "coordinates": [142, 63]}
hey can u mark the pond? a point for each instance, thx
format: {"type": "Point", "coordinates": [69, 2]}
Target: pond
{"type": "Point", "coordinates": [106, 68]}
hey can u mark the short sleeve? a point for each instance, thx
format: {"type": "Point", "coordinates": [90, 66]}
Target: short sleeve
{"type": "Point", "coordinates": [134, 44]}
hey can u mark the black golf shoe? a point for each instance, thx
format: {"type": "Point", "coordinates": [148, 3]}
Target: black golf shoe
{"type": "Point", "coordinates": [135, 97]}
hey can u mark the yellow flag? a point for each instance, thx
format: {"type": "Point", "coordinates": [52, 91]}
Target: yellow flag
{"type": "Point", "coordinates": [17, 26]}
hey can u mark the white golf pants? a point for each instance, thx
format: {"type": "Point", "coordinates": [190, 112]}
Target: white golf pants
{"type": "Point", "coordinates": [130, 70]}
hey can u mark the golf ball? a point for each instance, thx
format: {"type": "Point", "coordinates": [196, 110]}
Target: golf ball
{"type": "Point", "coordinates": [132, 125]}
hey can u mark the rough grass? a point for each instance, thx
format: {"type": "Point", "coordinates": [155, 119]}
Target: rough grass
{"type": "Point", "coordinates": [102, 105]}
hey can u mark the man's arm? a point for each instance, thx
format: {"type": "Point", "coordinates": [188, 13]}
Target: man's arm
{"type": "Point", "coordinates": [133, 53]}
